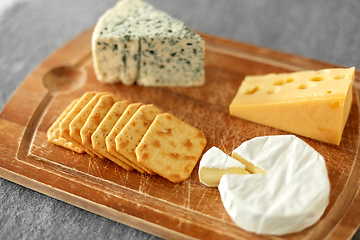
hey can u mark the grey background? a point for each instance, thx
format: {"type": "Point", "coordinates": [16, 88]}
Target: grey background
{"type": "Point", "coordinates": [30, 30]}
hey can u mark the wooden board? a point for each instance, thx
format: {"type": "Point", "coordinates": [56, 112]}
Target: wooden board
{"type": "Point", "coordinates": [151, 203]}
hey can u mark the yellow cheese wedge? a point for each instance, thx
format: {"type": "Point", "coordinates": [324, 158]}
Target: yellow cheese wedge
{"type": "Point", "coordinates": [313, 104]}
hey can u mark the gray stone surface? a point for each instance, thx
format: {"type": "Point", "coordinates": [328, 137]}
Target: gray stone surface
{"type": "Point", "coordinates": [30, 30]}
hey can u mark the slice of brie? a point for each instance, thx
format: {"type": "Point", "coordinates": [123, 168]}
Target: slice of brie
{"type": "Point", "coordinates": [215, 163]}
{"type": "Point", "coordinates": [292, 195]}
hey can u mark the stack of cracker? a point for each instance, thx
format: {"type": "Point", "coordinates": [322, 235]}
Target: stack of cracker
{"type": "Point", "coordinates": [133, 135]}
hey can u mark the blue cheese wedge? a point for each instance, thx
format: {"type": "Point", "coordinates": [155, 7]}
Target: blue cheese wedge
{"type": "Point", "coordinates": [134, 42]}
{"type": "Point", "coordinates": [172, 56]}
{"type": "Point", "coordinates": [112, 43]}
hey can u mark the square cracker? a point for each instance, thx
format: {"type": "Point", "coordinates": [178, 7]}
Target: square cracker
{"type": "Point", "coordinates": [65, 123]}
{"type": "Point", "coordinates": [132, 133]}
{"type": "Point", "coordinates": [79, 120]}
{"type": "Point", "coordinates": [96, 115]}
{"type": "Point", "coordinates": [53, 133]}
{"type": "Point", "coordinates": [119, 125]}
{"type": "Point", "coordinates": [171, 148]}
{"type": "Point", "coordinates": [102, 131]}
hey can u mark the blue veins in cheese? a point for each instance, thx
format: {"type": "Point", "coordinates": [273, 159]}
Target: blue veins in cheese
{"type": "Point", "coordinates": [134, 42]}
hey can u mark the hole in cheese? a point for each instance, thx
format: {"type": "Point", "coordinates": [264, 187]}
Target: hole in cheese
{"type": "Point", "coordinates": [303, 86]}
{"type": "Point", "coordinates": [251, 168]}
{"type": "Point", "coordinates": [279, 83]}
{"type": "Point", "coordinates": [318, 78]}
{"type": "Point", "coordinates": [341, 76]}
{"type": "Point", "coordinates": [329, 91]}
{"type": "Point", "coordinates": [272, 91]}
{"type": "Point", "coordinates": [289, 80]}
{"type": "Point", "coordinates": [252, 90]}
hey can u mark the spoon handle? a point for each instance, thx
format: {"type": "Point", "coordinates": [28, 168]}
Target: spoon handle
{"type": "Point", "coordinates": [53, 89]}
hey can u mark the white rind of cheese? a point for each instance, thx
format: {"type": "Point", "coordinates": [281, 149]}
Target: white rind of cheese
{"type": "Point", "coordinates": [215, 163]}
{"type": "Point", "coordinates": [292, 195]}
{"type": "Point", "coordinates": [134, 42]}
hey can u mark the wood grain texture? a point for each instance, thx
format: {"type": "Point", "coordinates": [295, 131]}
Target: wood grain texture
{"type": "Point", "coordinates": [151, 203]}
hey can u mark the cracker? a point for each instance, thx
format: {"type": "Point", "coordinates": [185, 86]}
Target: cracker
{"type": "Point", "coordinates": [53, 132]}
{"type": "Point", "coordinates": [97, 114]}
{"type": "Point", "coordinates": [132, 133]}
{"type": "Point", "coordinates": [79, 120]}
{"type": "Point", "coordinates": [171, 148]}
{"type": "Point", "coordinates": [102, 131]}
{"type": "Point", "coordinates": [65, 123]}
{"type": "Point", "coordinates": [110, 139]}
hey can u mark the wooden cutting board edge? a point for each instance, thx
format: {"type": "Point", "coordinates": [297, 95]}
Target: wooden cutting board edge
{"type": "Point", "coordinates": [90, 206]}
{"type": "Point", "coordinates": [345, 228]}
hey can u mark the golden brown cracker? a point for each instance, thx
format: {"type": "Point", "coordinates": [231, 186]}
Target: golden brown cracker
{"type": "Point", "coordinates": [53, 133]}
{"type": "Point", "coordinates": [119, 125]}
{"type": "Point", "coordinates": [171, 148]}
{"type": "Point", "coordinates": [79, 120]}
{"type": "Point", "coordinates": [97, 114]}
{"type": "Point", "coordinates": [65, 123]}
{"type": "Point", "coordinates": [102, 131]}
{"type": "Point", "coordinates": [132, 133]}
